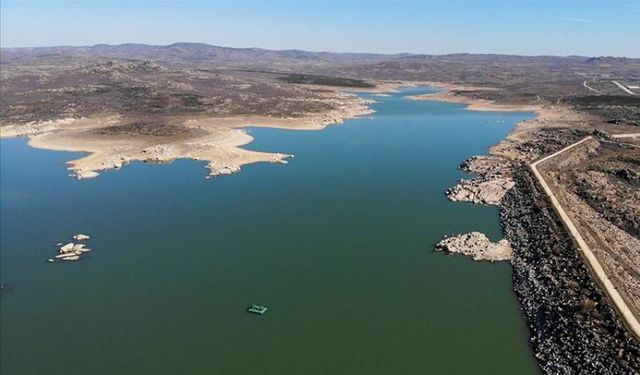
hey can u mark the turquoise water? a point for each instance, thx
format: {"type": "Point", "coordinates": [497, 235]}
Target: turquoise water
{"type": "Point", "coordinates": [338, 244]}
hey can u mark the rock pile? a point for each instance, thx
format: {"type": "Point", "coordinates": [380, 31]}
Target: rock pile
{"type": "Point", "coordinates": [220, 169]}
{"type": "Point", "coordinates": [574, 329]}
{"type": "Point", "coordinates": [477, 246]}
{"type": "Point", "coordinates": [72, 251]}
{"type": "Point", "coordinates": [492, 184]}
{"type": "Point", "coordinates": [480, 191]}
{"type": "Point", "coordinates": [487, 166]}
{"type": "Point", "coordinates": [81, 237]}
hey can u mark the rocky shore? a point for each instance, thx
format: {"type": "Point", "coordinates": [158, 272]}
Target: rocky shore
{"type": "Point", "coordinates": [574, 329]}
{"type": "Point", "coordinates": [480, 191]}
{"type": "Point", "coordinates": [477, 246]}
{"type": "Point", "coordinates": [489, 187]}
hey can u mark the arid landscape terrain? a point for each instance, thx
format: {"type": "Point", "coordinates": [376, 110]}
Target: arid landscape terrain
{"type": "Point", "coordinates": [160, 103]}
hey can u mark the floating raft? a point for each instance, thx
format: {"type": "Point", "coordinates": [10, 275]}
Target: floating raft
{"type": "Point", "coordinates": [257, 309]}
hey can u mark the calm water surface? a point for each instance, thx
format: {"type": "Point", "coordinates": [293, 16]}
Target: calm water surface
{"type": "Point", "coordinates": [338, 244]}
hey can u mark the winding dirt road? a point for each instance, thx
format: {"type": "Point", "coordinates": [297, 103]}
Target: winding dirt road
{"type": "Point", "coordinates": [623, 88]}
{"type": "Point", "coordinates": [591, 88]}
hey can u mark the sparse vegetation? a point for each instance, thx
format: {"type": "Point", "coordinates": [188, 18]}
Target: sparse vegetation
{"type": "Point", "coordinates": [325, 80]}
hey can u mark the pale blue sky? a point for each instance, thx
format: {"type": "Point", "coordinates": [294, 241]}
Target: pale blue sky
{"type": "Point", "coordinates": [525, 28]}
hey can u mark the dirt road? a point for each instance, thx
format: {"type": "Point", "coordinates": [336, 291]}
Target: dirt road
{"type": "Point", "coordinates": [591, 88]}
{"type": "Point", "coordinates": [597, 270]}
{"type": "Point", "coordinates": [624, 88]}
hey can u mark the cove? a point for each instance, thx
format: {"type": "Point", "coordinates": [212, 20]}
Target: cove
{"type": "Point", "coordinates": [338, 244]}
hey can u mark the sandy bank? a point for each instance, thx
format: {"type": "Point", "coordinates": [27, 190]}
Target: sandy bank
{"type": "Point", "coordinates": [111, 145]}
{"type": "Point", "coordinates": [546, 116]}
{"type": "Point", "coordinates": [453, 93]}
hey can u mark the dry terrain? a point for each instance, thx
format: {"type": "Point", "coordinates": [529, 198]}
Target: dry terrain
{"type": "Point", "coordinates": [187, 100]}
{"type": "Point", "coordinates": [598, 182]}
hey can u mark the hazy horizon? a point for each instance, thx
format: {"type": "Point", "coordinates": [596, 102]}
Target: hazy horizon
{"type": "Point", "coordinates": [309, 50]}
{"type": "Point", "coordinates": [433, 28]}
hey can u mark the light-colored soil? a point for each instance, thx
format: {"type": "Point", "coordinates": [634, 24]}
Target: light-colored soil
{"type": "Point", "coordinates": [611, 253]}
{"type": "Point", "coordinates": [214, 140]}
{"type": "Point", "coordinates": [480, 191]}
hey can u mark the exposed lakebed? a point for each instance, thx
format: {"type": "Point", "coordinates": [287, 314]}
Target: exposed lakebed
{"type": "Point", "coordinates": [338, 244]}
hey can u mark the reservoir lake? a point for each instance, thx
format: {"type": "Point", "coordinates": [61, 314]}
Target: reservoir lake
{"type": "Point", "coordinates": [338, 244]}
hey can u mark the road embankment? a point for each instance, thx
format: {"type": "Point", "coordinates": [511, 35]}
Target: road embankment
{"type": "Point", "coordinates": [574, 328]}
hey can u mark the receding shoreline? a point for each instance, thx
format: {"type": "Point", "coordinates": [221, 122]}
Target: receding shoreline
{"type": "Point", "coordinates": [216, 140]}
{"type": "Point", "coordinates": [545, 114]}
{"type": "Point", "coordinates": [509, 334]}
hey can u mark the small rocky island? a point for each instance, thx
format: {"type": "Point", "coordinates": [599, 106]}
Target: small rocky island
{"type": "Point", "coordinates": [71, 251]}
{"type": "Point", "coordinates": [477, 246]}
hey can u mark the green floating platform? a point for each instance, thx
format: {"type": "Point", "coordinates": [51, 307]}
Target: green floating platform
{"type": "Point", "coordinates": [257, 309]}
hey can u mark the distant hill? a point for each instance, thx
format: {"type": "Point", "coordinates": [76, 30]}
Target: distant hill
{"type": "Point", "coordinates": [188, 53]}
{"type": "Point", "coordinates": [196, 78]}
{"type": "Point", "coordinates": [183, 52]}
